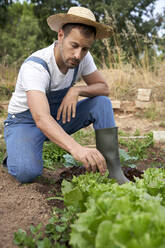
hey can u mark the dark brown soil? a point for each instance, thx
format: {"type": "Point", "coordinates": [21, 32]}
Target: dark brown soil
{"type": "Point", "coordinates": [20, 206]}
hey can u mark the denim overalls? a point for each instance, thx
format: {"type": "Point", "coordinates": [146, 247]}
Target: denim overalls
{"type": "Point", "coordinates": [24, 141]}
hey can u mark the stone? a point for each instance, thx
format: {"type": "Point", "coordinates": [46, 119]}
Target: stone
{"type": "Point", "coordinates": [144, 95]}
{"type": "Point", "coordinates": [159, 136]}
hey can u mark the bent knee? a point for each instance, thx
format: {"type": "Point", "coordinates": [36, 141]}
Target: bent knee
{"type": "Point", "coordinates": [25, 175]}
{"type": "Point", "coordinates": [102, 101]}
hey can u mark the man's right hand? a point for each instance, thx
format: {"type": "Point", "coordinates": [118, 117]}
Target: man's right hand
{"type": "Point", "coordinates": [91, 158]}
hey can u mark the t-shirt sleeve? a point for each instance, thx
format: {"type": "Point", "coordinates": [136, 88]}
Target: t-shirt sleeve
{"type": "Point", "coordinates": [88, 65]}
{"type": "Point", "coordinates": [34, 77]}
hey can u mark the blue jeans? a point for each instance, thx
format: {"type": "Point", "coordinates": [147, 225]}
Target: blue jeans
{"type": "Point", "coordinates": [24, 141]}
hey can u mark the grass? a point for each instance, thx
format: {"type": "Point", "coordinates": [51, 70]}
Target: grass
{"type": "Point", "coordinates": [8, 74]}
{"type": "Point", "coordinates": [124, 80]}
{"type": "Point", "coordinates": [85, 136]}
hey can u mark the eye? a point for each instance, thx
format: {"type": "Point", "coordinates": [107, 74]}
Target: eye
{"type": "Point", "coordinates": [74, 45]}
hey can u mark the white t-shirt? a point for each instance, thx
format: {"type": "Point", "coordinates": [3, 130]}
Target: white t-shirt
{"type": "Point", "coordinates": [33, 76]}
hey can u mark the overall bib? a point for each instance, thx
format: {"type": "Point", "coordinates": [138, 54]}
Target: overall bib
{"type": "Point", "coordinates": [24, 141]}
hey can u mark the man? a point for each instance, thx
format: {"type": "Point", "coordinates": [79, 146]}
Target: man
{"type": "Point", "coordinates": [45, 103]}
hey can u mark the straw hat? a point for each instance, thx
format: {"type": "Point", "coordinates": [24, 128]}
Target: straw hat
{"type": "Point", "coordinates": [79, 15]}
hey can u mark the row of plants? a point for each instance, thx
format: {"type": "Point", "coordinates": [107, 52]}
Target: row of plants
{"type": "Point", "coordinates": [100, 213]}
{"type": "Point", "coordinates": [131, 152]}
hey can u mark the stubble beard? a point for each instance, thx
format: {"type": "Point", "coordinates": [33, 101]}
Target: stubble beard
{"type": "Point", "coordinates": [70, 63]}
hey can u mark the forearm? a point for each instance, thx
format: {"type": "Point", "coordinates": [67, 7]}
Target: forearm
{"type": "Point", "coordinates": [92, 90]}
{"type": "Point", "coordinates": [56, 133]}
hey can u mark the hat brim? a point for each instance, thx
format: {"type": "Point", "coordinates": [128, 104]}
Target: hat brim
{"type": "Point", "coordinates": [56, 22]}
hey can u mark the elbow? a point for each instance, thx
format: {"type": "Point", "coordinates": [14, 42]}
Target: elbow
{"type": "Point", "coordinates": [39, 123]}
{"type": "Point", "coordinates": [39, 120]}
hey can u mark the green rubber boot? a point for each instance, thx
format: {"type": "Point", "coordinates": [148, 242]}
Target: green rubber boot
{"type": "Point", "coordinates": [107, 144]}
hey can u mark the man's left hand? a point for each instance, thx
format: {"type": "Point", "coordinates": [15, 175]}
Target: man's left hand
{"type": "Point", "coordinates": [67, 109]}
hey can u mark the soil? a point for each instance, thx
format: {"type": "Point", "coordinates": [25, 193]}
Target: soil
{"type": "Point", "coordinates": [23, 205]}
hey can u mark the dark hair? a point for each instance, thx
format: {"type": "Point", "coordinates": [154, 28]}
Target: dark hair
{"type": "Point", "coordinates": [84, 29]}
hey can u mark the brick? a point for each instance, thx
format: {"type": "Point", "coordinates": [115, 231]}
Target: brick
{"type": "Point", "coordinates": [142, 105]}
{"type": "Point", "coordinates": [159, 136]}
{"type": "Point", "coordinates": [116, 104]}
{"type": "Point", "coordinates": [144, 95]}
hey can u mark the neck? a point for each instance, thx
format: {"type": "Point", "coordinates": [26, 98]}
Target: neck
{"type": "Point", "coordinates": [62, 67]}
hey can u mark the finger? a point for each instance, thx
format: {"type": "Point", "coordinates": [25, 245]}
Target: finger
{"type": "Point", "coordinates": [92, 163]}
{"type": "Point", "coordinates": [101, 163]}
{"type": "Point", "coordinates": [94, 168]}
{"type": "Point", "coordinates": [87, 165]}
{"type": "Point", "coordinates": [69, 109]}
{"type": "Point", "coordinates": [73, 110]}
{"type": "Point", "coordinates": [59, 112]}
{"type": "Point", "coordinates": [102, 159]}
{"type": "Point", "coordinates": [64, 114]}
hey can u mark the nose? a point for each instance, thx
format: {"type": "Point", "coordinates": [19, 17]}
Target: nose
{"type": "Point", "coordinates": [77, 54]}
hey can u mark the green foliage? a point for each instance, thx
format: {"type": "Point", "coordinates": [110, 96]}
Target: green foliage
{"type": "Point", "coordinates": [77, 192]}
{"type": "Point", "coordinates": [24, 29]}
{"type": "Point", "coordinates": [100, 212]}
{"type": "Point", "coordinates": [54, 234]}
{"type": "Point", "coordinates": [131, 215]}
{"type": "Point", "coordinates": [126, 159]}
{"type": "Point", "coordinates": [70, 161]}
{"type": "Point", "coordinates": [20, 37]}
{"type": "Point", "coordinates": [52, 154]}
{"type": "Point", "coordinates": [4, 12]}
{"type": "Point", "coordinates": [43, 9]}
{"type": "Point", "coordinates": [138, 147]}
{"type": "Point", "coordinates": [84, 136]}
{"type": "Point", "coordinates": [153, 183]}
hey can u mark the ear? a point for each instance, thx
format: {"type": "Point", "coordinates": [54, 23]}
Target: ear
{"type": "Point", "coordinates": [60, 35]}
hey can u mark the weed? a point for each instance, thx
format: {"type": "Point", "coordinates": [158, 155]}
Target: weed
{"type": "Point", "coordinates": [54, 234]}
{"type": "Point", "coordinates": [137, 133]}
{"type": "Point", "coordinates": [122, 133]}
{"type": "Point", "coordinates": [126, 159]}
{"type": "Point", "coordinates": [85, 136]}
{"type": "Point", "coordinates": [52, 154]}
{"type": "Point", "coordinates": [138, 147]}
{"type": "Point", "coordinates": [151, 113]}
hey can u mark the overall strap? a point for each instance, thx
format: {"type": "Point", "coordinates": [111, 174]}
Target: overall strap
{"type": "Point", "coordinates": [41, 62]}
{"type": "Point", "coordinates": [74, 75]}
{"type": "Point", "coordinates": [45, 65]}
